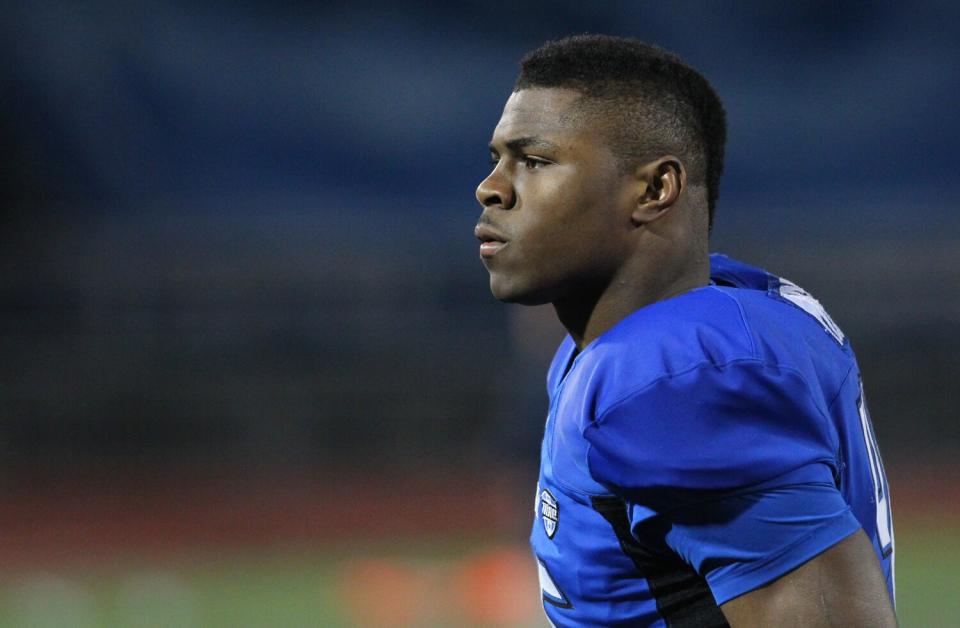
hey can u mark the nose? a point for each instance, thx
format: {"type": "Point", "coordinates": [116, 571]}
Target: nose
{"type": "Point", "coordinates": [496, 190]}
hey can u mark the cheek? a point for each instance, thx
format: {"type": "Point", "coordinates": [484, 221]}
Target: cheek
{"type": "Point", "coordinates": [552, 204]}
{"type": "Point", "coordinates": [568, 218]}
{"type": "Point", "coordinates": [556, 246]}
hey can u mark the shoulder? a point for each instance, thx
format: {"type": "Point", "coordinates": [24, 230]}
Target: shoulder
{"type": "Point", "coordinates": [706, 327]}
{"type": "Point", "coordinates": [717, 388]}
{"type": "Point", "coordinates": [713, 391]}
{"type": "Point", "coordinates": [751, 284]}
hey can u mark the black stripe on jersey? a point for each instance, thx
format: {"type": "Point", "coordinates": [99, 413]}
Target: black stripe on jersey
{"type": "Point", "coordinates": [682, 595]}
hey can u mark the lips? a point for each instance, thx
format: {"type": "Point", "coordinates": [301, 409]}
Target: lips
{"type": "Point", "coordinates": [491, 240]}
{"type": "Point", "coordinates": [489, 249]}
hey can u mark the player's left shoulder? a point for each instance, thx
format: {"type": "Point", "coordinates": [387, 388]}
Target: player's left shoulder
{"type": "Point", "coordinates": [789, 326]}
{"type": "Point", "coordinates": [769, 302]}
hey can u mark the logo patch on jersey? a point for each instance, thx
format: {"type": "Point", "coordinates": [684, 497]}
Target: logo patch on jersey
{"type": "Point", "coordinates": [549, 512]}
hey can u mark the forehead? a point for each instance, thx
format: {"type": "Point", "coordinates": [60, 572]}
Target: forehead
{"type": "Point", "coordinates": [537, 112]}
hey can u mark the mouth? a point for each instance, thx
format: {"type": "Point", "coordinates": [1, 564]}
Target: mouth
{"type": "Point", "coordinates": [491, 241]}
{"type": "Point", "coordinates": [491, 248]}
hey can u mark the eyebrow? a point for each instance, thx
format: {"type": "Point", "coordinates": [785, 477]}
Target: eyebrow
{"type": "Point", "coordinates": [533, 141]}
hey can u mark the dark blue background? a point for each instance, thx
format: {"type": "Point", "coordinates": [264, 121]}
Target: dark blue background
{"type": "Point", "coordinates": [240, 233]}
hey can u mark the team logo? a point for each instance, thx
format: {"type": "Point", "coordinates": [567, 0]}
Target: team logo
{"type": "Point", "coordinates": [549, 512]}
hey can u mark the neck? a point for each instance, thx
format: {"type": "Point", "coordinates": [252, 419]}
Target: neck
{"type": "Point", "coordinates": [587, 315]}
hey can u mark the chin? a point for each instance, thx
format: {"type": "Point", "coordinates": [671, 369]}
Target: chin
{"type": "Point", "coordinates": [512, 292]}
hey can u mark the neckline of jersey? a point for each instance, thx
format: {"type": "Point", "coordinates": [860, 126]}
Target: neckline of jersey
{"type": "Point", "coordinates": [572, 355]}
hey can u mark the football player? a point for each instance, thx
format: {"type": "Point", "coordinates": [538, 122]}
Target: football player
{"type": "Point", "coordinates": [708, 457]}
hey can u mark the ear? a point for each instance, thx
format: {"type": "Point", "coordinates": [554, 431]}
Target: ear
{"type": "Point", "coordinates": [659, 184]}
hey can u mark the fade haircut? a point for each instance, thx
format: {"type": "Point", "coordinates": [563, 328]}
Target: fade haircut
{"type": "Point", "coordinates": [650, 102]}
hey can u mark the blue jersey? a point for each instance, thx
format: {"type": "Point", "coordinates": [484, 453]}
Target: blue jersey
{"type": "Point", "coordinates": [702, 447]}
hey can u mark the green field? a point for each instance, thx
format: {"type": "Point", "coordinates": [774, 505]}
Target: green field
{"type": "Point", "coordinates": [411, 585]}
{"type": "Point", "coordinates": [928, 580]}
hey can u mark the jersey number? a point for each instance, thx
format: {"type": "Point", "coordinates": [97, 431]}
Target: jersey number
{"type": "Point", "coordinates": [880, 489]}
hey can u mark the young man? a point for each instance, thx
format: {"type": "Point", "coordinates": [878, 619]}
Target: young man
{"type": "Point", "coordinates": [708, 457]}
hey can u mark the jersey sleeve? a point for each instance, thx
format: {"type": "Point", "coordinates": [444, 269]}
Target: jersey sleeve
{"type": "Point", "coordinates": [742, 540]}
{"type": "Point", "coordinates": [734, 465]}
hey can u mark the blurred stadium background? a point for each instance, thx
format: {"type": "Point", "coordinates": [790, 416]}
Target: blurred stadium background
{"type": "Point", "coordinates": [252, 375]}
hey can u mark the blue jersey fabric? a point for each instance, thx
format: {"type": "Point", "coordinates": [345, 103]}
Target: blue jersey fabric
{"type": "Point", "coordinates": [704, 446]}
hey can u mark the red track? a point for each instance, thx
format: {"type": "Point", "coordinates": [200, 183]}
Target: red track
{"type": "Point", "coordinates": [99, 518]}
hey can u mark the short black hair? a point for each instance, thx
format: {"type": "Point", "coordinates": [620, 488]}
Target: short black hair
{"type": "Point", "coordinates": [658, 103]}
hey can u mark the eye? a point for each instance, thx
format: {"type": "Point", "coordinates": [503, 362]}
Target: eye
{"type": "Point", "coordinates": [494, 160]}
{"type": "Point", "coordinates": [532, 163]}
